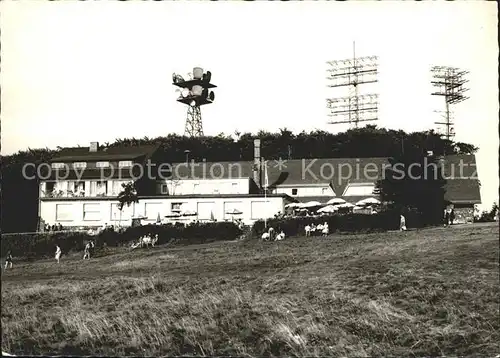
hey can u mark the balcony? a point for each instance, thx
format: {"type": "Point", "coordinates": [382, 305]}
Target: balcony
{"type": "Point", "coordinates": [56, 194]}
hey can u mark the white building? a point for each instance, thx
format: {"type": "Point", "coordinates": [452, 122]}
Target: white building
{"type": "Point", "coordinates": [83, 184]}
{"type": "Point", "coordinates": [81, 190]}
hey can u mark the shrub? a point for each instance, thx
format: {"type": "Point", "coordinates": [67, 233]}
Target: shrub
{"type": "Point", "coordinates": [193, 233]}
{"type": "Point", "coordinates": [488, 216]}
{"type": "Point", "coordinates": [38, 245]}
{"type": "Point", "coordinates": [383, 221]}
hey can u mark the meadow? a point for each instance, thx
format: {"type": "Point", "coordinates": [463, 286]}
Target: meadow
{"type": "Point", "coordinates": [423, 292]}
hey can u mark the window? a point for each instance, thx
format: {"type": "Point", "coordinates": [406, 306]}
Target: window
{"type": "Point", "coordinates": [233, 209]}
{"type": "Point", "coordinates": [102, 164]}
{"type": "Point", "coordinates": [49, 187]}
{"type": "Point", "coordinates": [64, 212]}
{"type": "Point", "coordinates": [93, 188]}
{"type": "Point", "coordinates": [57, 165]}
{"type": "Point", "coordinates": [125, 163]}
{"type": "Point", "coordinates": [153, 210]}
{"type": "Point", "coordinates": [79, 165]}
{"type": "Point", "coordinates": [91, 212]}
{"type": "Point", "coordinates": [71, 188]}
{"type": "Point", "coordinates": [206, 211]}
{"type": "Point", "coordinates": [294, 191]}
{"type": "Point", "coordinates": [102, 188]}
{"type": "Point", "coordinates": [262, 209]}
{"type": "Point", "coordinates": [234, 188]}
{"type": "Point", "coordinates": [164, 189]}
{"type": "Point", "coordinates": [176, 207]}
{"type": "Point", "coordinates": [116, 187]}
{"type": "Point", "coordinates": [80, 188]}
{"type": "Point", "coordinates": [126, 213]}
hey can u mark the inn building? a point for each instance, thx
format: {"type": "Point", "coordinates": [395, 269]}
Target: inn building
{"type": "Point", "coordinates": [84, 183]}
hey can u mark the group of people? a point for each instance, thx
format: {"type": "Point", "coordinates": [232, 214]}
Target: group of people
{"type": "Point", "coordinates": [321, 228]}
{"type": "Point", "coordinates": [86, 254]}
{"type": "Point", "coordinates": [54, 227]}
{"type": "Point", "coordinates": [86, 251]}
{"type": "Point", "coordinates": [449, 217]}
{"type": "Point", "coordinates": [272, 235]}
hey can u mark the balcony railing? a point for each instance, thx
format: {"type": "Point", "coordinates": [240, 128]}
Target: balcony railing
{"type": "Point", "coordinates": [72, 194]}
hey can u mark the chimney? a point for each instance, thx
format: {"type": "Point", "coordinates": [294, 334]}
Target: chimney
{"type": "Point", "coordinates": [256, 162]}
{"type": "Point", "coordinates": [94, 146]}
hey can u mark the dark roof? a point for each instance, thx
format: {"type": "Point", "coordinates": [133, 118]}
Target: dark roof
{"type": "Point", "coordinates": [296, 171]}
{"type": "Point", "coordinates": [460, 167]}
{"type": "Point", "coordinates": [212, 170]}
{"type": "Point", "coordinates": [462, 183]}
{"type": "Point", "coordinates": [459, 170]}
{"type": "Point", "coordinates": [109, 153]}
{"type": "Point", "coordinates": [463, 191]}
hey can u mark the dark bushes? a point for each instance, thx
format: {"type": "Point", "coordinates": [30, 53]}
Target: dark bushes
{"type": "Point", "coordinates": [194, 233]}
{"type": "Point", "coordinates": [487, 216]}
{"type": "Point", "coordinates": [387, 220]}
{"type": "Point", "coordinates": [35, 245]}
{"type": "Point", "coordinates": [38, 245]}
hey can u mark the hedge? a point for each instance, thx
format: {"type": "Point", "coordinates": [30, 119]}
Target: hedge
{"type": "Point", "coordinates": [350, 223]}
{"type": "Point", "coordinates": [38, 245]}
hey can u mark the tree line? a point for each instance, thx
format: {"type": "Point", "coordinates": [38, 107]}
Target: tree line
{"type": "Point", "coordinates": [19, 211]}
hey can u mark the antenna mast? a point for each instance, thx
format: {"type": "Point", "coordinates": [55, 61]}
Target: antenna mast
{"type": "Point", "coordinates": [352, 72]}
{"type": "Point", "coordinates": [449, 83]}
{"type": "Point", "coordinates": [194, 93]}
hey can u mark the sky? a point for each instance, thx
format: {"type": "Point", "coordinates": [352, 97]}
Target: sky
{"type": "Point", "coordinates": [76, 72]}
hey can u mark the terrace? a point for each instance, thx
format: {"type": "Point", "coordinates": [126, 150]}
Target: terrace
{"type": "Point", "coordinates": [81, 189]}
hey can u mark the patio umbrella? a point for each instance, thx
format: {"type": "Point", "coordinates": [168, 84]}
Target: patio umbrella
{"type": "Point", "coordinates": [358, 207]}
{"type": "Point", "coordinates": [293, 205]}
{"type": "Point", "coordinates": [139, 217]}
{"type": "Point", "coordinates": [311, 204]}
{"type": "Point", "coordinates": [345, 205]}
{"type": "Point", "coordinates": [158, 219]}
{"type": "Point", "coordinates": [173, 215]}
{"type": "Point", "coordinates": [234, 212]}
{"type": "Point", "coordinates": [336, 201]}
{"type": "Point", "coordinates": [328, 209]}
{"type": "Point", "coordinates": [368, 201]}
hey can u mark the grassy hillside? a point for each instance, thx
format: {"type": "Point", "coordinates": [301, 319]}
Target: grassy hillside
{"type": "Point", "coordinates": [429, 292]}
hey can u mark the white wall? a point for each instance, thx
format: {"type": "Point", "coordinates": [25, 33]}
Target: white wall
{"type": "Point", "coordinates": [325, 190]}
{"type": "Point", "coordinates": [84, 212]}
{"type": "Point", "coordinates": [359, 189]}
{"type": "Point", "coordinates": [206, 186]}
{"type": "Point", "coordinates": [97, 212]}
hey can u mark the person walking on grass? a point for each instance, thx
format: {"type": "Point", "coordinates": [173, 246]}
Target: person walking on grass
{"type": "Point", "coordinates": [86, 250]}
{"type": "Point", "coordinates": [8, 260]}
{"type": "Point", "coordinates": [402, 223]}
{"type": "Point", "coordinates": [446, 217]}
{"type": "Point", "coordinates": [58, 253]}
